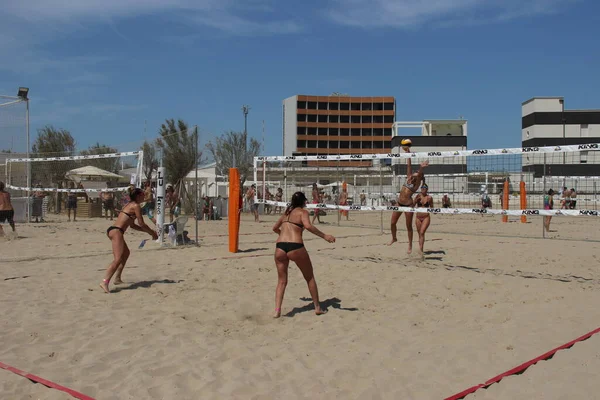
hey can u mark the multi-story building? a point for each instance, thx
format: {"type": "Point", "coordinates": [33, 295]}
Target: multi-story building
{"type": "Point", "coordinates": [545, 122]}
{"type": "Point", "coordinates": [337, 124]}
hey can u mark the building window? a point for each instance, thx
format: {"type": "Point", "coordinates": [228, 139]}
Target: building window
{"type": "Point", "coordinates": [301, 117]}
{"type": "Point", "coordinates": [377, 132]}
{"type": "Point", "coordinates": [355, 119]}
{"type": "Point", "coordinates": [311, 131]}
{"type": "Point", "coordinates": [322, 144]}
{"type": "Point", "coordinates": [355, 132]}
{"type": "Point", "coordinates": [334, 131]}
{"type": "Point", "coordinates": [583, 157]}
{"type": "Point", "coordinates": [378, 106]}
{"type": "Point", "coordinates": [367, 119]}
{"type": "Point", "coordinates": [367, 145]}
{"type": "Point", "coordinates": [388, 119]}
{"type": "Point", "coordinates": [387, 144]}
{"type": "Point", "coordinates": [355, 106]}
{"type": "Point", "coordinates": [322, 118]}
{"type": "Point", "coordinates": [322, 105]}
{"type": "Point", "coordinates": [312, 144]}
{"type": "Point", "coordinates": [387, 106]}
{"type": "Point", "coordinates": [301, 144]}
{"type": "Point", "coordinates": [367, 106]}
{"type": "Point", "coordinates": [334, 119]}
{"type": "Point", "coordinates": [301, 130]}
{"type": "Point", "coordinates": [322, 131]}
{"type": "Point", "coordinates": [344, 119]}
{"type": "Point", "coordinates": [344, 106]}
{"type": "Point", "coordinates": [355, 144]}
{"type": "Point", "coordinates": [387, 131]}
{"type": "Point", "coordinates": [344, 145]}
{"type": "Point", "coordinates": [367, 132]}
{"type": "Point", "coordinates": [378, 119]}
{"type": "Point", "coordinates": [312, 105]}
{"type": "Point", "coordinates": [311, 118]}
{"type": "Point", "coordinates": [334, 106]}
{"type": "Point", "coordinates": [584, 130]}
{"type": "Point", "coordinates": [301, 105]}
{"type": "Point", "coordinates": [344, 132]}
{"type": "Point", "coordinates": [378, 144]}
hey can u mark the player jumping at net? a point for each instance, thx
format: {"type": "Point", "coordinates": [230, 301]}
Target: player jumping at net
{"type": "Point", "coordinates": [290, 247]}
{"type": "Point", "coordinates": [423, 200]}
{"type": "Point", "coordinates": [7, 212]}
{"type": "Point", "coordinates": [413, 181]}
{"type": "Point", "coordinates": [125, 219]}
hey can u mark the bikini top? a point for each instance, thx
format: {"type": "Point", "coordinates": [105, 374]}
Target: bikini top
{"type": "Point", "coordinates": [294, 223]}
{"type": "Point", "coordinates": [426, 204]}
{"type": "Point", "coordinates": [129, 215]}
{"type": "Point", "coordinates": [410, 186]}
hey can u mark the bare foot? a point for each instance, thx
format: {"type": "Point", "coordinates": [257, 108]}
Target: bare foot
{"type": "Point", "coordinates": [104, 287]}
{"type": "Point", "coordinates": [409, 251]}
{"type": "Point", "coordinates": [118, 282]}
{"type": "Point", "coordinates": [394, 240]}
{"type": "Point", "coordinates": [421, 255]}
{"type": "Point", "coordinates": [277, 313]}
{"type": "Point", "coordinates": [319, 311]}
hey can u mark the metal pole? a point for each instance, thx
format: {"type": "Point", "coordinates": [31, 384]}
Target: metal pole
{"type": "Point", "coordinates": [196, 186]}
{"type": "Point", "coordinates": [381, 196]}
{"type": "Point", "coordinates": [28, 213]}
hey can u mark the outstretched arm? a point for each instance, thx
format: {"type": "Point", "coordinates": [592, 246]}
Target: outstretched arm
{"type": "Point", "coordinates": [141, 224]}
{"type": "Point", "coordinates": [312, 229]}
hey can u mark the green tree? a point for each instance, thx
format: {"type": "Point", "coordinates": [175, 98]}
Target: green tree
{"type": "Point", "coordinates": [180, 156]}
{"type": "Point", "coordinates": [108, 164]}
{"type": "Point", "coordinates": [150, 160]}
{"type": "Point", "coordinates": [230, 150]}
{"type": "Point", "coordinates": [52, 142]}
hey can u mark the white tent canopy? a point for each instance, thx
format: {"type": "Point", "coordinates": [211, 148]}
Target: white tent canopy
{"type": "Point", "coordinates": [338, 184]}
{"type": "Point", "coordinates": [91, 173]}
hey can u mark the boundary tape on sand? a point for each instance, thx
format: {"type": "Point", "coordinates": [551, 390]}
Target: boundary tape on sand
{"type": "Point", "coordinates": [49, 384]}
{"type": "Point", "coordinates": [521, 368]}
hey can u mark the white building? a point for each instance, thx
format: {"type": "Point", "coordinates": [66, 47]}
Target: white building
{"type": "Point", "coordinates": [435, 136]}
{"type": "Point", "coordinates": [546, 122]}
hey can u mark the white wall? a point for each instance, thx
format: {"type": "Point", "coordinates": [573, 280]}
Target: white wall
{"type": "Point", "coordinates": [542, 105]}
{"type": "Point", "coordinates": [290, 125]}
{"type": "Point", "coordinates": [443, 129]}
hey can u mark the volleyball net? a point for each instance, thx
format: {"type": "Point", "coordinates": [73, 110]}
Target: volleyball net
{"type": "Point", "coordinates": [509, 182]}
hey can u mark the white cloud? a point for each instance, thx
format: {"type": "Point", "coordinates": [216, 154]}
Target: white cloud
{"type": "Point", "coordinates": [411, 13]}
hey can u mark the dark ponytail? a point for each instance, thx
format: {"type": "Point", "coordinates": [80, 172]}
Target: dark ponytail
{"type": "Point", "coordinates": [298, 201]}
{"type": "Point", "coordinates": [134, 192]}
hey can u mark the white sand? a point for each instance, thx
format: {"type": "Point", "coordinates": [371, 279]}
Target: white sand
{"type": "Point", "coordinates": [195, 323]}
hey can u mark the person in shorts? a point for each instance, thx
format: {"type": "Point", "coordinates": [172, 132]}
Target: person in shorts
{"type": "Point", "coordinates": [7, 213]}
{"type": "Point", "coordinates": [72, 202]}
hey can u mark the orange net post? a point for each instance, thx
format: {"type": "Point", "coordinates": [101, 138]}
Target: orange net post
{"type": "Point", "coordinates": [234, 209]}
{"type": "Point", "coordinates": [505, 198]}
{"type": "Point", "coordinates": [523, 194]}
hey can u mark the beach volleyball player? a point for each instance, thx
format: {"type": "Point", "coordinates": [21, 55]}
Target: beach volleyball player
{"type": "Point", "coordinates": [125, 219]}
{"type": "Point", "coordinates": [409, 188]}
{"type": "Point", "coordinates": [290, 247]}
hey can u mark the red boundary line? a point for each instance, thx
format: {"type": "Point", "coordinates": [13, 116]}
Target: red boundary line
{"type": "Point", "coordinates": [521, 368]}
{"type": "Point", "coordinates": [45, 382]}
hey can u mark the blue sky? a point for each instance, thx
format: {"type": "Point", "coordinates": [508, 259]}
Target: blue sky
{"type": "Point", "coordinates": [105, 69]}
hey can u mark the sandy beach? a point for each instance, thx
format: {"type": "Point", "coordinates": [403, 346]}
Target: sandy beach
{"type": "Point", "coordinates": [194, 323]}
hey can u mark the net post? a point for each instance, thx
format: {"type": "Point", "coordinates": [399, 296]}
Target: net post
{"type": "Point", "coordinates": [234, 209]}
{"type": "Point", "coordinates": [28, 213]}
{"type": "Point", "coordinates": [523, 194]}
{"type": "Point", "coordinates": [380, 197]}
{"type": "Point", "coordinates": [505, 197]}
{"type": "Point", "coordinates": [160, 202]}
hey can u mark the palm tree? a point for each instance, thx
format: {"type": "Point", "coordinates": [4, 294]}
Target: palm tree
{"type": "Point", "coordinates": [180, 156]}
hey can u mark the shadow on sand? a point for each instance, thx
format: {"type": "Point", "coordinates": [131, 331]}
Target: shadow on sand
{"type": "Point", "coordinates": [143, 284]}
{"type": "Point", "coordinates": [334, 302]}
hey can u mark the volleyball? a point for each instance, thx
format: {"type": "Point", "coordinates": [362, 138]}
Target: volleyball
{"type": "Point", "coordinates": [406, 143]}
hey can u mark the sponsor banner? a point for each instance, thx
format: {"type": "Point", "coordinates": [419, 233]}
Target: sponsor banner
{"type": "Point", "coordinates": [73, 158]}
{"type": "Point", "coordinates": [425, 155]}
{"type": "Point", "coordinates": [473, 211]}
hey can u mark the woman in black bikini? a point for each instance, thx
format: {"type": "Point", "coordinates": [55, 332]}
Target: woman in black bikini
{"type": "Point", "coordinates": [413, 180]}
{"type": "Point", "coordinates": [291, 247]}
{"type": "Point", "coordinates": [423, 200]}
{"type": "Point", "coordinates": [125, 219]}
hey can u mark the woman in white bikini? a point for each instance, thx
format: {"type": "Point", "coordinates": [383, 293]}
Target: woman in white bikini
{"type": "Point", "coordinates": [423, 200]}
{"type": "Point", "coordinates": [290, 247]}
{"type": "Point", "coordinates": [413, 180]}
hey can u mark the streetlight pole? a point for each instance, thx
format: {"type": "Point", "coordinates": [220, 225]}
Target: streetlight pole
{"type": "Point", "coordinates": [245, 110]}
